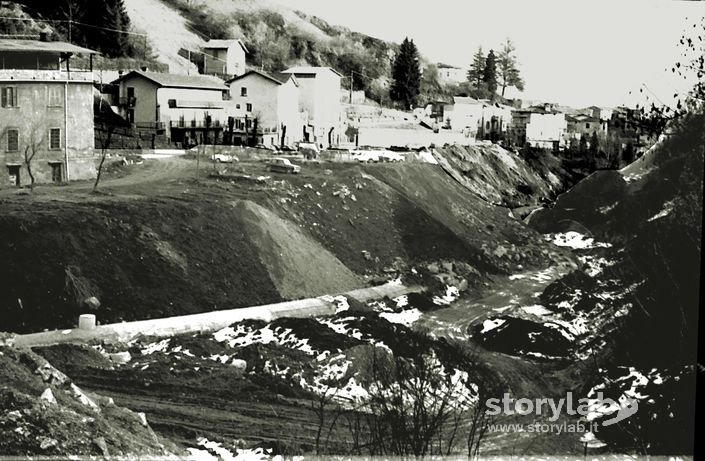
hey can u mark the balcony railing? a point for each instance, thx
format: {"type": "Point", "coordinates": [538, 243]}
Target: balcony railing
{"type": "Point", "coordinates": [46, 75]}
{"type": "Point", "coordinates": [195, 124]}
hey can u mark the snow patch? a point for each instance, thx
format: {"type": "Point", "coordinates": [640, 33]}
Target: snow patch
{"type": "Point", "coordinates": [406, 318]}
{"type": "Point", "coordinates": [489, 325]}
{"type": "Point", "coordinates": [575, 240]}
{"type": "Point", "coordinates": [665, 211]}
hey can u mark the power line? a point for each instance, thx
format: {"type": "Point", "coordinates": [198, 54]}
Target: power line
{"type": "Point", "coordinates": [70, 21]}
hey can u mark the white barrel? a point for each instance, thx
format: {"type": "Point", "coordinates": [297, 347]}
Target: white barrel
{"type": "Point", "coordinates": [86, 322]}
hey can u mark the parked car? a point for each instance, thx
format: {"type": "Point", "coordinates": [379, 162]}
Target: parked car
{"type": "Point", "coordinates": [287, 148]}
{"type": "Point", "coordinates": [367, 154]}
{"type": "Point", "coordinates": [270, 147]}
{"type": "Point", "coordinates": [224, 158]}
{"type": "Point", "coordinates": [389, 156]}
{"type": "Point", "coordinates": [282, 165]}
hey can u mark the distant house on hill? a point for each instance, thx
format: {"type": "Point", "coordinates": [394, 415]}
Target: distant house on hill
{"type": "Point", "coordinates": [47, 107]}
{"type": "Point", "coordinates": [186, 108]}
{"type": "Point", "coordinates": [225, 58]}
{"type": "Point", "coordinates": [270, 99]}
{"type": "Point", "coordinates": [451, 74]}
{"type": "Point", "coordinates": [319, 97]}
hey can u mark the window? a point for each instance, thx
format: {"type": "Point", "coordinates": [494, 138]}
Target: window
{"type": "Point", "coordinates": [54, 138]}
{"type": "Point", "coordinates": [587, 125]}
{"type": "Point", "coordinates": [13, 140]}
{"type": "Point", "coordinates": [243, 91]}
{"type": "Point", "coordinates": [172, 103]}
{"type": "Point", "coordinates": [54, 96]}
{"type": "Point", "coordinates": [249, 107]}
{"type": "Point", "coordinates": [9, 96]}
{"type": "Point", "coordinates": [237, 106]}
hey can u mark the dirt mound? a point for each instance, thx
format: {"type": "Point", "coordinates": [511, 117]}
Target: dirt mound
{"type": "Point", "coordinates": [297, 265]}
{"type": "Point", "coordinates": [503, 177]}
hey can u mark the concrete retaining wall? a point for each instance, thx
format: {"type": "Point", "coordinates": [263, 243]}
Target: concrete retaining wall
{"type": "Point", "coordinates": [207, 321]}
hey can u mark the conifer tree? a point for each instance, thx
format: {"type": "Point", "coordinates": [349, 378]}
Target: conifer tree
{"type": "Point", "coordinates": [489, 75]}
{"type": "Point", "coordinates": [508, 70]}
{"type": "Point", "coordinates": [406, 75]}
{"type": "Point", "coordinates": [477, 68]}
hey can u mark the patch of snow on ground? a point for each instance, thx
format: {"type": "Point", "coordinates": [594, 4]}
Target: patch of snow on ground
{"type": "Point", "coordinates": [401, 301]}
{"type": "Point", "coordinates": [536, 309]}
{"type": "Point", "coordinates": [407, 317]}
{"type": "Point", "coordinates": [607, 208]}
{"type": "Point", "coordinates": [450, 295]}
{"type": "Point", "coordinates": [489, 324]}
{"type": "Point", "coordinates": [595, 265]}
{"type": "Point", "coordinates": [665, 211]}
{"type": "Point", "coordinates": [575, 240]}
{"type": "Point", "coordinates": [240, 337]}
{"type": "Point", "coordinates": [160, 346]}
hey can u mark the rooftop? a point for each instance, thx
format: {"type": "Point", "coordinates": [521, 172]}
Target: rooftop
{"type": "Point", "coordinates": [220, 44]}
{"type": "Point", "coordinates": [179, 81]}
{"type": "Point", "coordinates": [277, 77]}
{"type": "Point", "coordinates": [8, 44]}
{"type": "Point", "coordinates": [310, 70]}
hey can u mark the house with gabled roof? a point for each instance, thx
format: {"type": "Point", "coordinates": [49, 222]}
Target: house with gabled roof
{"type": "Point", "coordinates": [269, 103]}
{"type": "Point", "coordinates": [46, 110]}
{"type": "Point", "coordinates": [225, 58]}
{"type": "Point", "coordinates": [319, 97]}
{"type": "Point", "coordinates": [186, 108]}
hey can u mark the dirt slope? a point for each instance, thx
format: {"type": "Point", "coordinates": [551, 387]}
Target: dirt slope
{"type": "Point", "coordinates": [297, 265]}
{"type": "Point", "coordinates": [158, 243]}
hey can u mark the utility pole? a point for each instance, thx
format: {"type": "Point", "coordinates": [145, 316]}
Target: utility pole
{"type": "Point", "coordinates": [351, 85]}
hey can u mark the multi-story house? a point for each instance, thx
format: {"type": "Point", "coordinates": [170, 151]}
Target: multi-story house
{"type": "Point", "coordinates": [269, 103]}
{"type": "Point", "coordinates": [46, 112]}
{"type": "Point", "coordinates": [582, 125]}
{"type": "Point", "coordinates": [478, 118]}
{"type": "Point", "coordinates": [319, 97]}
{"type": "Point", "coordinates": [538, 126]}
{"type": "Point", "coordinates": [187, 109]}
{"type": "Point", "coordinates": [224, 58]}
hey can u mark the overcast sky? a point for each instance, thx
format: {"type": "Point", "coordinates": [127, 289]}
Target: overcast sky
{"type": "Point", "coordinates": [572, 52]}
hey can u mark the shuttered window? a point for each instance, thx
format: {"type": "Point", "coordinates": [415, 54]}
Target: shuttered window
{"type": "Point", "coordinates": [55, 138]}
{"type": "Point", "coordinates": [9, 96]}
{"type": "Point", "coordinates": [13, 140]}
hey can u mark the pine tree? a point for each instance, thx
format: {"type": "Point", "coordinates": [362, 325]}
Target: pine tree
{"type": "Point", "coordinates": [508, 70]}
{"type": "Point", "coordinates": [406, 75]}
{"type": "Point", "coordinates": [477, 69]}
{"type": "Point", "coordinates": [489, 75]}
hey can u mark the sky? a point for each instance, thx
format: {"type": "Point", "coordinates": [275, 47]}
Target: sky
{"type": "Point", "coordinates": [578, 53]}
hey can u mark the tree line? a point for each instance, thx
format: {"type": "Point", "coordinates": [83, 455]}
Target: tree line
{"type": "Point", "coordinates": [489, 76]}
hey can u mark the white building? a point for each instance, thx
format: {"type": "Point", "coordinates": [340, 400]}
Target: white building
{"type": "Point", "coordinates": [319, 97]}
{"type": "Point", "coordinates": [477, 118]}
{"type": "Point", "coordinates": [539, 127]}
{"type": "Point", "coordinates": [224, 57]}
{"type": "Point", "coordinates": [270, 99]}
{"type": "Point", "coordinates": [451, 74]}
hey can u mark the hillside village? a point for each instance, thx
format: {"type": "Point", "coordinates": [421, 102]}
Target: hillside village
{"type": "Point", "coordinates": [51, 88]}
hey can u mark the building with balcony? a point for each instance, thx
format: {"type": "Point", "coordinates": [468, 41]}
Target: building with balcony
{"type": "Point", "coordinates": [270, 99]}
{"type": "Point", "coordinates": [46, 112]}
{"type": "Point", "coordinates": [538, 126]}
{"type": "Point", "coordinates": [224, 58]}
{"type": "Point", "coordinates": [319, 97]}
{"type": "Point", "coordinates": [186, 109]}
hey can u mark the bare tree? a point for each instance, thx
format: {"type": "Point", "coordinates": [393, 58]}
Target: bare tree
{"type": "Point", "coordinates": [105, 138]}
{"type": "Point", "coordinates": [33, 146]}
